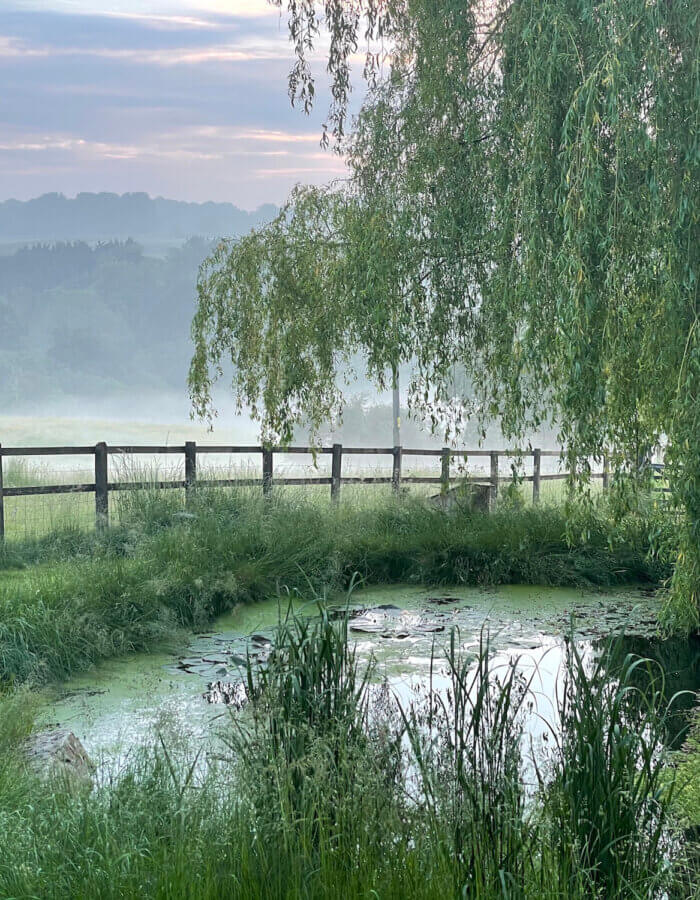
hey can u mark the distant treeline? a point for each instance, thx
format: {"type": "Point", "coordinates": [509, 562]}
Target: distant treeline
{"type": "Point", "coordinates": [79, 320]}
{"type": "Point", "coordinates": [106, 216]}
{"type": "Point", "coordinates": [45, 265]}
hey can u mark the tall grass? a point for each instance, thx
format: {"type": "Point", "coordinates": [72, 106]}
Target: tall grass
{"type": "Point", "coordinates": [19, 473]}
{"type": "Point", "coordinates": [688, 797]}
{"type": "Point", "coordinates": [609, 796]}
{"type": "Point", "coordinates": [331, 790]}
{"type": "Point", "coordinates": [83, 598]}
{"type": "Point", "coordinates": [467, 748]}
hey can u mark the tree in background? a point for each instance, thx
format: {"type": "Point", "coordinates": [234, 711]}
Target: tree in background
{"type": "Point", "coordinates": [522, 203]}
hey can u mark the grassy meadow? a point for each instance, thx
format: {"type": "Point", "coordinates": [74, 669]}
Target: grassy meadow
{"type": "Point", "coordinates": [28, 517]}
{"type": "Point", "coordinates": [49, 431]}
{"type": "Point", "coordinates": [31, 517]}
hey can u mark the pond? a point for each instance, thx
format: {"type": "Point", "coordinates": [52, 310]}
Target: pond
{"type": "Point", "coordinates": [182, 691]}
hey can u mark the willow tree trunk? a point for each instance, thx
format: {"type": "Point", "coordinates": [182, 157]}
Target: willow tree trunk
{"type": "Point", "coordinates": [396, 408]}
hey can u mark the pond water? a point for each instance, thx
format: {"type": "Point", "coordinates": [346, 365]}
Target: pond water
{"type": "Point", "coordinates": [180, 692]}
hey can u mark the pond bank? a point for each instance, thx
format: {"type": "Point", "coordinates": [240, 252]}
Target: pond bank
{"type": "Point", "coordinates": [84, 599]}
{"type": "Point", "coordinates": [309, 792]}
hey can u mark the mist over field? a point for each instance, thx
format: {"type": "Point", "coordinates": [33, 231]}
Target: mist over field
{"type": "Point", "coordinates": [96, 298]}
{"type": "Point", "coordinates": [97, 295]}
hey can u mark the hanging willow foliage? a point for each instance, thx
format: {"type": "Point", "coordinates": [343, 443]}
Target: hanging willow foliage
{"type": "Point", "coordinates": [522, 203]}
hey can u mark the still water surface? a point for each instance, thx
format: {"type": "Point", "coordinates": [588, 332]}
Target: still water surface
{"type": "Point", "coordinates": [123, 703]}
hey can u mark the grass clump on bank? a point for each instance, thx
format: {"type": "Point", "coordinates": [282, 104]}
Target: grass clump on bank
{"type": "Point", "coordinates": [83, 598]}
{"type": "Point", "coordinates": [688, 798]}
{"type": "Point", "coordinates": [330, 788]}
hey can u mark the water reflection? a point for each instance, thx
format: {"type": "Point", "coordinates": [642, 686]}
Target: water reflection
{"type": "Point", "coordinates": [673, 669]}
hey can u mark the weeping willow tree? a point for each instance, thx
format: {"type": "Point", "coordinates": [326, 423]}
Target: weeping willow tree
{"type": "Point", "coordinates": [522, 203]}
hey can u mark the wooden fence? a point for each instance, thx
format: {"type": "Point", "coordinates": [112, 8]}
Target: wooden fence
{"type": "Point", "coordinates": [102, 486]}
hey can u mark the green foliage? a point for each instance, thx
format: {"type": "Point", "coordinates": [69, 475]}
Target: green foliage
{"type": "Point", "coordinates": [306, 746]}
{"type": "Point", "coordinates": [688, 777]}
{"type": "Point", "coordinates": [609, 790]}
{"type": "Point", "coordinates": [312, 677]}
{"type": "Point", "coordinates": [523, 206]}
{"type": "Point", "coordinates": [467, 745]}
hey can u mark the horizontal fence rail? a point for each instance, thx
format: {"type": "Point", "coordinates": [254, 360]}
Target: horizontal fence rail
{"type": "Point", "coordinates": [102, 486]}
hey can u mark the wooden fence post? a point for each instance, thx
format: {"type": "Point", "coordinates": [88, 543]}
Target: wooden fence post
{"type": "Point", "coordinates": [494, 476]}
{"type": "Point", "coordinates": [101, 486]}
{"type": "Point", "coordinates": [445, 471]}
{"type": "Point", "coordinates": [336, 470]}
{"type": "Point", "coordinates": [2, 504]}
{"type": "Point", "coordinates": [396, 470]}
{"type": "Point", "coordinates": [190, 471]}
{"type": "Point", "coordinates": [267, 471]}
{"type": "Point", "coordinates": [606, 473]}
{"type": "Point", "coordinates": [536, 474]}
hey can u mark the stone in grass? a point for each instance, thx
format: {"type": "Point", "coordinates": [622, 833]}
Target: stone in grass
{"type": "Point", "coordinates": [469, 495]}
{"type": "Point", "coordinates": [58, 752]}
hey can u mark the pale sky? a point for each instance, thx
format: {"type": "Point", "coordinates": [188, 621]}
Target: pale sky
{"type": "Point", "coordinates": [179, 98]}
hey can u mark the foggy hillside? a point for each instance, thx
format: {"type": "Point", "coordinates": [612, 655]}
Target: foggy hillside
{"type": "Point", "coordinates": [96, 298]}
{"type": "Point", "coordinates": [81, 322]}
{"type": "Point", "coordinates": [100, 327]}
{"type": "Point", "coordinates": [106, 216]}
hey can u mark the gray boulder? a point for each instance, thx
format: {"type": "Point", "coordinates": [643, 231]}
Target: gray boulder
{"type": "Point", "coordinates": [59, 752]}
{"type": "Point", "coordinates": [468, 495]}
